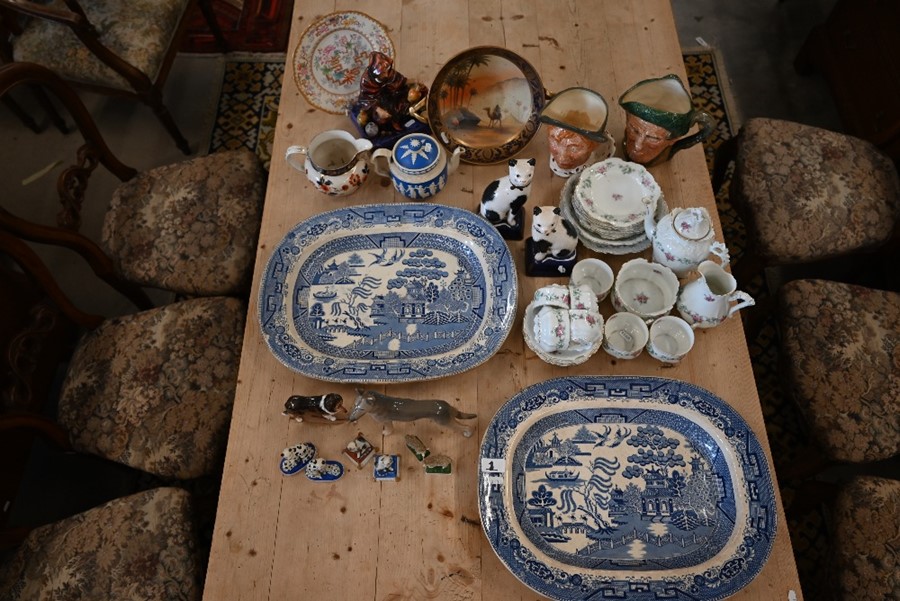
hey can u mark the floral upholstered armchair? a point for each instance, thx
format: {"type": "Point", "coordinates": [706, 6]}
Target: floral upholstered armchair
{"type": "Point", "coordinates": [140, 547]}
{"type": "Point", "coordinates": [190, 227]}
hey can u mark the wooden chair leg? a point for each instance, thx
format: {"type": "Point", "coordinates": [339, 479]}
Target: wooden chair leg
{"type": "Point", "coordinates": [153, 98]}
{"type": "Point", "coordinates": [41, 95]}
{"type": "Point", "coordinates": [210, 16]}
{"type": "Point", "coordinates": [725, 155]}
{"type": "Point", "coordinates": [17, 110]}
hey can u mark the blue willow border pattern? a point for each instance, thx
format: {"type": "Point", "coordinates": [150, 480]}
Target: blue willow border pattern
{"type": "Point", "coordinates": [500, 291]}
{"type": "Point", "coordinates": [713, 584]}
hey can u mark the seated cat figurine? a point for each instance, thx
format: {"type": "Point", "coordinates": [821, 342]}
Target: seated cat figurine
{"type": "Point", "coordinates": [504, 198]}
{"type": "Point", "coordinates": [553, 236]}
{"type": "Point", "coordinates": [388, 409]}
{"type": "Point", "coordinates": [553, 242]}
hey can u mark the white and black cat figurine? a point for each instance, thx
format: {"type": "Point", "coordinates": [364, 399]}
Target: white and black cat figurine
{"type": "Point", "coordinates": [553, 236]}
{"type": "Point", "coordinates": [503, 197]}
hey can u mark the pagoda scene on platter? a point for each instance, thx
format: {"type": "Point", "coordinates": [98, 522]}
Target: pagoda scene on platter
{"type": "Point", "coordinates": [624, 493]}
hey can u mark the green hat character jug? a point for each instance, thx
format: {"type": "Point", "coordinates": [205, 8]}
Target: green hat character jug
{"type": "Point", "coordinates": [659, 114]}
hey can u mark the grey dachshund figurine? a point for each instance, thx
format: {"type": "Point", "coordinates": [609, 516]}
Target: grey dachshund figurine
{"type": "Point", "coordinates": [387, 409]}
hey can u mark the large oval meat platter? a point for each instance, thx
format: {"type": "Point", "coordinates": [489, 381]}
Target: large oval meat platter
{"type": "Point", "coordinates": [388, 293]}
{"type": "Point", "coordinates": [632, 488]}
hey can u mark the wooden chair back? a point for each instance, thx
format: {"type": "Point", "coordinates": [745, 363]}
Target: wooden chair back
{"type": "Point", "coordinates": [146, 87]}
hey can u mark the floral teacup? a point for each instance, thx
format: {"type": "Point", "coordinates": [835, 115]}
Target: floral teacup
{"type": "Point", "coordinates": [594, 273]}
{"type": "Point", "coordinates": [585, 327]}
{"type": "Point", "coordinates": [625, 335]}
{"type": "Point", "coordinates": [552, 329]}
{"type": "Point", "coordinates": [670, 339]}
{"type": "Point", "coordinates": [554, 295]}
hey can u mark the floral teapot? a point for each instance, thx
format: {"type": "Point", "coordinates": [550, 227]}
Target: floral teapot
{"type": "Point", "coordinates": [683, 239]}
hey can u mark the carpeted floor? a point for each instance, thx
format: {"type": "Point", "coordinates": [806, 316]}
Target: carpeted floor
{"type": "Point", "coordinates": [248, 108]}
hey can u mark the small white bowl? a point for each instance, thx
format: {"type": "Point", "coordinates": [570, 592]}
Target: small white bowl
{"type": "Point", "coordinates": [646, 289]}
{"type": "Point", "coordinates": [625, 335]}
{"type": "Point", "coordinates": [670, 339]}
{"type": "Point", "coordinates": [594, 273]}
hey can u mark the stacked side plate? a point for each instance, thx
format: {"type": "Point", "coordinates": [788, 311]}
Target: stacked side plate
{"type": "Point", "coordinates": [607, 208]}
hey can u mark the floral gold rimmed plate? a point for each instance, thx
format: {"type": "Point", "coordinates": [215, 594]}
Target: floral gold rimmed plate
{"type": "Point", "coordinates": [633, 488]}
{"type": "Point", "coordinates": [488, 101]}
{"type": "Point", "coordinates": [612, 193]}
{"type": "Point", "coordinates": [594, 239]}
{"type": "Point", "coordinates": [388, 293]}
{"type": "Point", "coordinates": [332, 56]}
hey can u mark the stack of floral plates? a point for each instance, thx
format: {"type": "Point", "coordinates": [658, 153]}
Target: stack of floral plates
{"type": "Point", "coordinates": [607, 202]}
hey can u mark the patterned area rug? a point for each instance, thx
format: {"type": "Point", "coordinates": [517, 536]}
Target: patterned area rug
{"type": "Point", "coordinates": [248, 108]}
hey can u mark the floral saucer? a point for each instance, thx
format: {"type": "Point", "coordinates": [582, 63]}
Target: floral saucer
{"type": "Point", "coordinates": [573, 354]}
{"type": "Point", "coordinates": [596, 240]}
{"type": "Point", "coordinates": [612, 193]}
{"type": "Point", "coordinates": [332, 56]}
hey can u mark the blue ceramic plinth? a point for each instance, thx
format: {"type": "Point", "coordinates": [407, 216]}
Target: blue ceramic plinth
{"type": "Point", "coordinates": [549, 266]}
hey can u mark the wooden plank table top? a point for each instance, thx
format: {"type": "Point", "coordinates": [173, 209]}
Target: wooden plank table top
{"type": "Point", "coordinates": [420, 538]}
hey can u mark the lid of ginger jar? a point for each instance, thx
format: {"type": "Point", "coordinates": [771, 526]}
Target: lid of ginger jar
{"type": "Point", "coordinates": [417, 153]}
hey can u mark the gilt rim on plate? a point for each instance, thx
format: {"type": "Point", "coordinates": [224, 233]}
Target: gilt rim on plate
{"type": "Point", "coordinates": [342, 70]}
{"type": "Point", "coordinates": [514, 83]}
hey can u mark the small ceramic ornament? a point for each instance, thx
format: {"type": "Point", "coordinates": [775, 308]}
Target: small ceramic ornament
{"type": "Point", "coordinates": [503, 200]}
{"type": "Point", "coordinates": [359, 450]}
{"type": "Point", "coordinates": [324, 408]}
{"type": "Point", "coordinates": [387, 409]}
{"type": "Point", "coordinates": [381, 112]}
{"type": "Point", "coordinates": [551, 249]}
{"type": "Point", "coordinates": [295, 458]}
{"type": "Point", "coordinates": [418, 448]}
{"type": "Point", "coordinates": [323, 470]}
{"type": "Point", "coordinates": [438, 464]}
{"type": "Point", "coordinates": [386, 468]}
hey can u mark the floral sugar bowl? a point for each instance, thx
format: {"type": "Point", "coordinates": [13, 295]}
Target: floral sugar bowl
{"type": "Point", "coordinates": [418, 165]}
{"type": "Point", "coordinates": [683, 239]}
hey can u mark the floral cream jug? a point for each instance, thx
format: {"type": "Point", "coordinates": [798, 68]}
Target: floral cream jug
{"type": "Point", "coordinates": [707, 301]}
{"type": "Point", "coordinates": [335, 161]}
{"type": "Point", "coordinates": [683, 239]}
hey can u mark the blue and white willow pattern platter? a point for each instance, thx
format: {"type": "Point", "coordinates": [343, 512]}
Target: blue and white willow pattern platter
{"type": "Point", "coordinates": [632, 488]}
{"type": "Point", "coordinates": [388, 293]}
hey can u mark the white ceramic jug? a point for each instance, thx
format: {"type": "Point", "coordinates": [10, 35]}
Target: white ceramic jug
{"type": "Point", "coordinates": [335, 161]}
{"type": "Point", "coordinates": [706, 301]}
{"type": "Point", "coordinates": [683, 239]}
